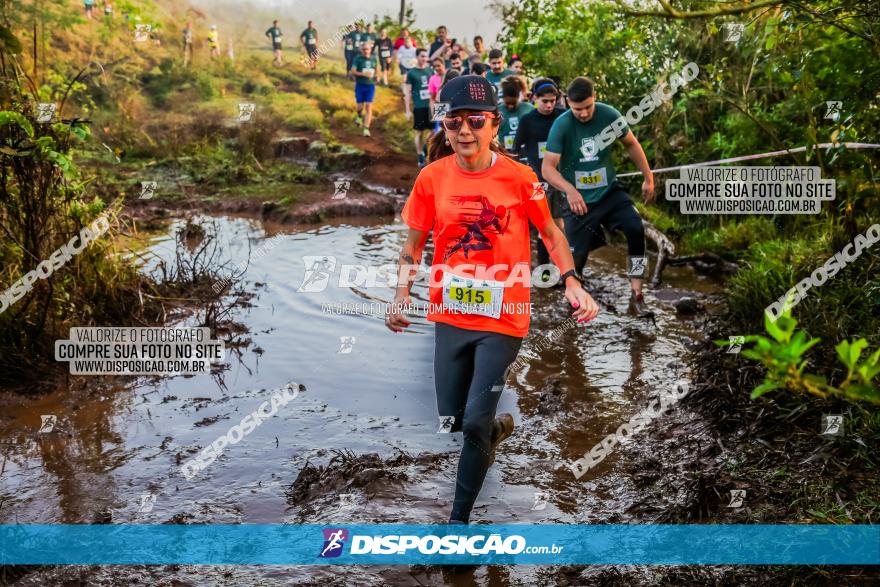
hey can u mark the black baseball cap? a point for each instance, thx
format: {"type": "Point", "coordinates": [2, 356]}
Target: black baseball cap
{"type": "Point", "coordinates": [469, 92]}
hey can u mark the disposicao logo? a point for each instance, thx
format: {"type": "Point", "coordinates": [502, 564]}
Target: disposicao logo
{"type": "Point", "coordinates": [334, 540]}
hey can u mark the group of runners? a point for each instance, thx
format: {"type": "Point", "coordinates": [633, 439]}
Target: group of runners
{"type": "Point", "coordinates": [500, 156]}
{"type": "Point", "coordinates": [213, 39]}
{"type": "Point", "coordinates": [308, 39]}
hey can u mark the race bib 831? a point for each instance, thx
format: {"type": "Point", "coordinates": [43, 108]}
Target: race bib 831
{"type": "Point", "coordinates": [590, 180]}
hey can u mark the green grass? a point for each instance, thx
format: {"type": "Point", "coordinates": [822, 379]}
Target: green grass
{"type": "Point", "coordinates": [398, 132]}
{"type": "Point", "coordinates": [297, 111]}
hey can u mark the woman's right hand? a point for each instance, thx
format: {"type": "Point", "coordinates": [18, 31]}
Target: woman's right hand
{"type": "Point", "coordinates": [395, 318]}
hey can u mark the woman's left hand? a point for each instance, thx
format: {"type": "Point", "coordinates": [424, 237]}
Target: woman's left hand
{"type": "Point", "coordinates": [585, 306]}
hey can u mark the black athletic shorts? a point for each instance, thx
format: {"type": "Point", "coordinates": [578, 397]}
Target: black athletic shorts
{"type": "Point", "coordinates": [422, 119]}
{"type": "Point", "coordinates": [312, 50]}
{"type": "Point", "coordinates": [557, 202]}
{"type": "Point", "coordinates": [615, 211]}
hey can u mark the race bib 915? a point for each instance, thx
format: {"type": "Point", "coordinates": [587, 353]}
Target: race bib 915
{"type": "Point", "coordinates": [483, 297]}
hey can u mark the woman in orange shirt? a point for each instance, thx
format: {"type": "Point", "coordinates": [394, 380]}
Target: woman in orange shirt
{"type": "Point", "coordinates": [478, 202]}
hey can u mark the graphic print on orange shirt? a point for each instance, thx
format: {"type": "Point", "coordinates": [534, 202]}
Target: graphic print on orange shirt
{"type": "Point", "coordinates": [486, 218]}
{"type": "Point", "coordinates": [479, 221]}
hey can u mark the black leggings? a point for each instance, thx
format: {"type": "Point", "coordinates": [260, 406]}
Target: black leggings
{"type": "Point", "coordinates": [469, 373]}
{"type": "Point", "coordinates": [615, 211]}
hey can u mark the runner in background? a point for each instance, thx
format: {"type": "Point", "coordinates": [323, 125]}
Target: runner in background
{"type": "Point", "coordinates": [478, 55]}
{"type": "Point", "coordinates": [309, 40]}
{"type": "Point", "coordinates": [89, 6]}
{"type": "Point", "coordinates": [434, 85]}
{"type": "Point", "coordinates": [357, 36]}
{"type": "Point", "coordinates": [480, 69]}
{"type": "Point", "coordinates": [108, 11]}
{"type": "Point", "coordinates": [531, 142]}
{"type": "Point", "coordinates": [371, 38]}
{"type": "Point", "coordinates": [274, 33]}
{"type": "Point", "coordinates": [401, 38]}
{"type": "Point", "coordinates": [515, 65]}
{"type": "Point", "coordinates": [349, 41]}
{"type": "Point", "coordinates": [512, 110]}
{"type": "Point", "coordinates": [439, 41]}
{"type": "Point", "coordinates": [574, 164]}
{"type": "Point", "coordinates": [384, 47]}
{"type": "Point", "coordinates": [417, 95]}
{"type": "Point", "coordinates": [561, 102]}
{"type": "Point", "coordinates": [478, 204]}
{"type": "Point", "coordinates": [456, 63]}
{"type": "Point", "coordinates": [214, 41]}
{"type": "Point", "coordinates": [406, 59]}
{"type": "Point", "coordinates": [497, 72]}
{"type": "Point", "coordinates": [364, 71]}
{"type": "Point", "coordinates": [187, 43]}
{"type": "Point", "coordinates": [457, 47]}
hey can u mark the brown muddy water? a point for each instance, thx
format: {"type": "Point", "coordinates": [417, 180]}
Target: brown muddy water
{"type": "Point", "coordinates": [115, 453]}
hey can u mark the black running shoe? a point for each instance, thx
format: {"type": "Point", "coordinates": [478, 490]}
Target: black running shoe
{"type": "Point", "coordinates": [502, 428]}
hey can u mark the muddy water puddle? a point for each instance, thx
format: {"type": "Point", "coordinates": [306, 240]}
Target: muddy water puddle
{"type": "Point", "coordinates": [115, 450]}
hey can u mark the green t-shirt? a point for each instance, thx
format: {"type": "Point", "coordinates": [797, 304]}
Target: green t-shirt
{"type": "Point", "coordinates": [495, 80]}
{"type": "Point", "coordinates": [582, 163]}
{"type": "Point", "coordinates": [309, 36]}
{"type": "Point", "coordinates": [418, 80]}
{"type": "Point", "coordinates": [351, 40]}
{"type": "Point", "coordinates": [371, 37]}
{"type": "Point", "coordinates": [510, 122]}
{"type": "Point", "coordinates": [275, 34]}
{"type": "Point", "coordinates": [362, 64]}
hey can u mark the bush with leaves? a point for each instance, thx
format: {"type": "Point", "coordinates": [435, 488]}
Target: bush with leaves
{"type": "Point", "coordinates": [783, 355]}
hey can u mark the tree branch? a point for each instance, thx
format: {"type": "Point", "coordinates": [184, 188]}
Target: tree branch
{"type": "Point", "coordinates": [670, 12]}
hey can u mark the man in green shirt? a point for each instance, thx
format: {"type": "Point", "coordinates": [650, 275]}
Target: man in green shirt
{"type": "Point", "coordinates": [511, 111]}
{"type": "Point", "coordinates": [309, 39]}
{"type": "Point", "coordinates": [274, 33]}
{"type": "Point", "coordinates": [579, 163]}
{"type": "Point", "coordinates": [497, 71]}
{"type": "Point", "coordinates": [417, 95]}
{"type": "Point", "coordinates": [352, 44]}
{"type": "Point", "coordinates": [364, 71]}
{"type": "Point", "coordinates": [370, 36]}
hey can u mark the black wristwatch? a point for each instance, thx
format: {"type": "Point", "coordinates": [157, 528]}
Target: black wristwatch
{"type": "Point", "coordinates": [570, 273]}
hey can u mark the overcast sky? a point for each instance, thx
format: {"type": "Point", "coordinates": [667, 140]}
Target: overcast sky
{"type": "Point", "coordinates": [463, 18]}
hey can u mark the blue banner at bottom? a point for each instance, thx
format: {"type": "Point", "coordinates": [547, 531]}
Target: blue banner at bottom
{"type": "Point", "coordinates": [370, 544]}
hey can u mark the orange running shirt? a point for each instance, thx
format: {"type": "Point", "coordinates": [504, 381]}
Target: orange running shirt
{"type": "Point", "coordinates": [480, 219]}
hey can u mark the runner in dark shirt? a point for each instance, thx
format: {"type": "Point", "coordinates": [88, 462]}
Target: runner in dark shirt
{"type": "Point", "coordinates": [531, 142]}
{"type": "Point", "coordinates": [383, 50]}
{"type": "Point", "coordinates": [439, 41]}
{"type": "Point", "coordinates": [309, 39]}
{"type": "Point", "coordinates": [274, 33]}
